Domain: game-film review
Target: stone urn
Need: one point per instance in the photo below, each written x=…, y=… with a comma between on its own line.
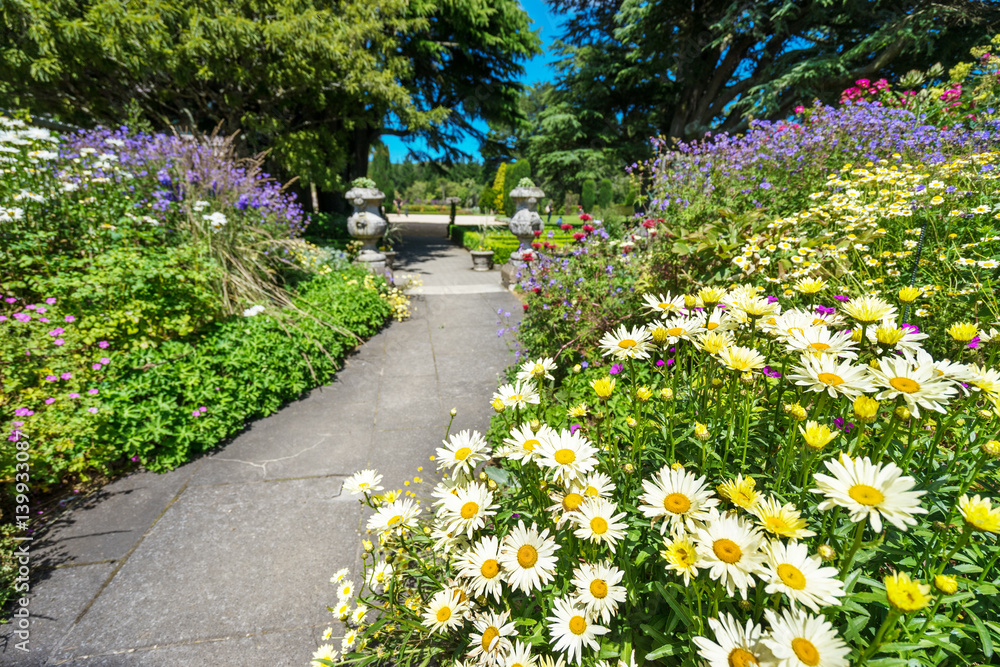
x=367, y=225
x=482, y=260
x=523, y=224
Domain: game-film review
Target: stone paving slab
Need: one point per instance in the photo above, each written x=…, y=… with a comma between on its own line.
x=227, y=559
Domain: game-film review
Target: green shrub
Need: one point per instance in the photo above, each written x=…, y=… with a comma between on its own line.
x=605, y=193
x=588, y=195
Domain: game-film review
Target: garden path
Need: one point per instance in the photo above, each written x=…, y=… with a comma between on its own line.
x=227, y=559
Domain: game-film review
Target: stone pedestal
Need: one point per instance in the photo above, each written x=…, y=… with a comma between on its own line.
x=523, y=224
x=368, y=226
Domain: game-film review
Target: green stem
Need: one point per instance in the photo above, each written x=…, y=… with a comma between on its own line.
x=889, y=621
x=849, y=557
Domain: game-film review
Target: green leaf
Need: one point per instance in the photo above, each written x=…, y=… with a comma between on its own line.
x=984, y=634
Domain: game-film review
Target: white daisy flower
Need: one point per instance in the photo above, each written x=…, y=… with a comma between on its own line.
x=445, y=611
x=520, y=656
x=781, y=520
x=734, y=645
x=596, y=485
x=359, y=613
x=349, y=640
x=799, y=639
x=364, y=481
x=342, y=611
x=570, y=629
x=345, y=590
x=663, y=304
x=730, y=548
x=539, y=369
x=596, y=521
x=568, y=455
x=792, y=571
x=325, y=652
x=820, y=340
x=869, y=309
x=380, y=575
x=681, y=556
x=340, y=575
x=597, y=589
x=625, y=343
x=466, y=511
x=528, y=558
x=678, y=328
x=678, y=497
x=462, y=452
x=565, y=506
x=741, y=359
x=481, y=565
x=919, y=386
x=522, y=445
x=400, y=514
x=517, y=395
x=826, y=373
x=491, y=638
x=871, y=491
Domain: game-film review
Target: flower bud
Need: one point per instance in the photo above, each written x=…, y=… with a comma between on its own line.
x=856, y=335
x=427, y=530
x=690, y=301
x=940, y=527
x=992, y=448
x=745, y=606
x=367, y=544
x=498, y=405
x=946, y=584
x=629, y=468
x=676, y=465
x=492, y=485
x=453, y=412
x=902, y=413
x=660, y=335
x=716, y=383
x=630, y=420
x=534, y=425
x=577, y=369
x=909, y=294
x=701, y=431
x=603, y=387
x=817, y=436
x=746, y=378
x=865, y=409
x=826, y=552
x=643, y=393
x=985, y=415
x=796, y=411
x=667, y=394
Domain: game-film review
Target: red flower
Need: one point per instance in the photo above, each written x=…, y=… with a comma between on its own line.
x=585, y=217
x=588, y=228
x=565, y=226
x=536, y=245
x=579, y=236
x=525, y=307
x=537, y=233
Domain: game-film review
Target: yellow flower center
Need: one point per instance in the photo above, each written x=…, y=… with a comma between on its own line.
x=627, y=344
x=538, y=370
x=565, y=456
x=516, y=398
x=394, y=520
x=819, y=347
x=818, y=321
x=572, y=501
x=444, y=613
x=830, y=379
x=905, y=385
x=727, y=551
x=666, y=305
x=776, y=524
x=592, y=492
x=712, y=326
x=794, y=329
x=792, y=576
x=489, y=634
x=469, y=510
x=598, y=526
x=739, y=657
x=599, y=589
x=805, y=651
x=530, y=445
x=675, y=331
x=677, y=503
x=527, y=556
x=865, y=495
x=577, y=625
x=463, y=453
x=489, y=569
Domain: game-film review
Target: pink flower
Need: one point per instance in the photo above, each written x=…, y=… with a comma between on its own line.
x=55, y=332
x=195, y=413
x=51, y=300
x=30, y=306
x=105, y=361
x=92, y=392
x=58, y=341
x=66, y=376
x=74, y=395
x=41, y=309
x=10, y=300
x=92, y=411
x=49, y=401
x=44, y=320
x=51, y=378
x=70, y=318
x=103, y=344
x=799, y=109
x=862, y=83
x=96, y=367
x=203, y=409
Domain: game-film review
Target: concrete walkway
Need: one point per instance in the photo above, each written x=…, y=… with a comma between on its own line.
x=227, y=560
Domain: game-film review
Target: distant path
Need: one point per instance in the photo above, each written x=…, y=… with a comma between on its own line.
x=227, y=560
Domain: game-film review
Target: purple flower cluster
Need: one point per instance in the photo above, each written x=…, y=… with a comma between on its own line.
x=187, y=170
x=736, y=166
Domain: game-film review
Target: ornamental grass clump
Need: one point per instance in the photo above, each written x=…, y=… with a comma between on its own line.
x=756, y=486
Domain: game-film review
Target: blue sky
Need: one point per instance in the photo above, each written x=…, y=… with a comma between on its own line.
x=536, y=70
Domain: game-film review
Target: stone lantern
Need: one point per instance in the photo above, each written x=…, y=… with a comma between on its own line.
x=367, y=225
x=523, y=224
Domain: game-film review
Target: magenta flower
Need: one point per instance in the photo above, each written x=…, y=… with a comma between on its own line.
x=43, y=320
x=74, y=395
x=195, y=413
x=92, y=392
x=96, y=367
x=55, y=333
x=203, y=409
x=51, y=300
x=58, y=341
x=49, y=401
x=103, y=344
x=10, y=300
x=3, y=318
x=51, y=378
x=23, y=412
x=41, y=309
x=30, y=306
x=66, y=376
x=105, y=361
x=70, y=318
x=92, y=411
